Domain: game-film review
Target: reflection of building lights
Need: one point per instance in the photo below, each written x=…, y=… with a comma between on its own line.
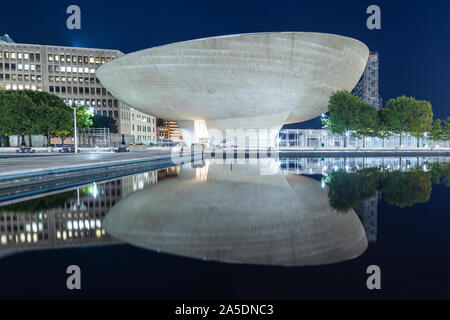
x=323, y=184
x=94, y=190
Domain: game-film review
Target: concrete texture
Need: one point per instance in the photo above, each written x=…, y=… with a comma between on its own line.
x=239, y=213
x=286, y=77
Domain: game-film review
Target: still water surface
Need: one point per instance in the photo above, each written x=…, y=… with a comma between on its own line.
x=238, y=228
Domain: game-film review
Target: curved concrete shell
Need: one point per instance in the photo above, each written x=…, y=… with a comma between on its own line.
x=241, y=81
x=232, y=213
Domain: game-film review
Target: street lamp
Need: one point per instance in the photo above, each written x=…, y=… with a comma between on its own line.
x=75, y=107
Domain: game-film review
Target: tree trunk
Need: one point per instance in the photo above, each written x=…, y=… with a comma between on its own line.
x=62, y=138
x=48, y=137
x=418, y=142
x=30, y=140
x=382, y=143
x=364, y=142
x=345, y=141
x=400, y=140
x=18, y=140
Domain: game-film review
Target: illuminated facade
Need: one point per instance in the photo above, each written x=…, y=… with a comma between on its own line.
x=69, y=73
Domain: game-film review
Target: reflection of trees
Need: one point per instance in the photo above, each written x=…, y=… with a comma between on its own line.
x=45, y=203
x=348, y=190
x=405, y=189
x=402, y=189
x=39, y=204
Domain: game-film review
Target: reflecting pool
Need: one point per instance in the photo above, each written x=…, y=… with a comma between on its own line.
x=238, y=228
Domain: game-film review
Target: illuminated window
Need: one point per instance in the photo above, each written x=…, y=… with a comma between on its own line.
x=19, y=55
x=13, y=55
x=56, y=57
x=50, y=57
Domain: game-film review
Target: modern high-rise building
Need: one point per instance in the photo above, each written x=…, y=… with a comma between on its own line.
x=70, y=73
x=367, y=87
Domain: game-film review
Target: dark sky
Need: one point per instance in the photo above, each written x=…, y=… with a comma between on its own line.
x=414, y=42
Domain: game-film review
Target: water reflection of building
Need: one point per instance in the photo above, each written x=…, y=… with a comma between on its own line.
x=68, y=219
x=327, y=165
x=169, y=173
x=368, y=213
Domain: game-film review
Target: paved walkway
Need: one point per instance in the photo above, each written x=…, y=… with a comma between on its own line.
x=31, y=163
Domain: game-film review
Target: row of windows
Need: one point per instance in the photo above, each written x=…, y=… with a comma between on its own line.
x=20, y=55
x=144, y=128
x=79, y=90
x=92, y=102
x=78, y=59
x=20, y=67
x=9, y=86
x=58, y=69
x=21, y=77
x=73, y=79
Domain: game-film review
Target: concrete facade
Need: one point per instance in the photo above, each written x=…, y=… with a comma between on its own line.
x=258, y=81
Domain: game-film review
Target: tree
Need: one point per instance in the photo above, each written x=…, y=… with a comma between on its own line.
x=54, y=116
x=17, y=114
x=421, y=119
x=84, y=119
x=100, y=121
x=367, y=121
x=344, y=110
x=407, y=115
x=436, y=132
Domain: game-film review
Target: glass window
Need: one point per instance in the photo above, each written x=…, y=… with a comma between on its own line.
x=50, y=57
x=13, y=55
x=26, y=56
x=56, y=57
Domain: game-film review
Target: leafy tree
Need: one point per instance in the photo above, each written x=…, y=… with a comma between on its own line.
x=100, y=121
x=446, y=129
x=84, y=119
x=367, y=121
x=436, y=132
x=344, y=112
x=17, y=114
x=407, y=115
x=54, y=116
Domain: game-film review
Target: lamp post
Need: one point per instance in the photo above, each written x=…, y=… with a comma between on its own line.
x=74, y=107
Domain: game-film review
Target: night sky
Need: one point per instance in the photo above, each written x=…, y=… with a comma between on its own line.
x=414, y=42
